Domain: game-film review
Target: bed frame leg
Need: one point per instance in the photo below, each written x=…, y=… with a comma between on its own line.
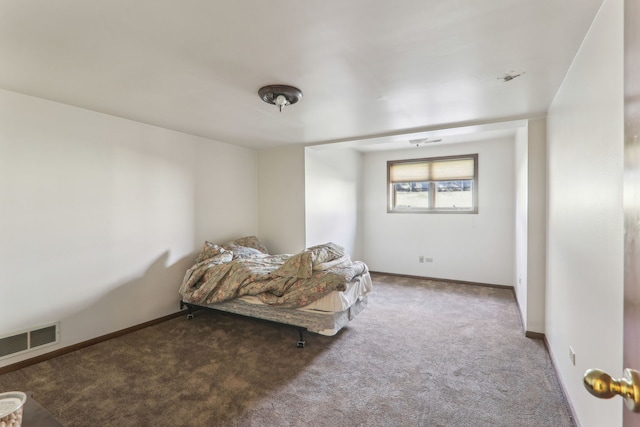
x=301, y=341
x=189, y=310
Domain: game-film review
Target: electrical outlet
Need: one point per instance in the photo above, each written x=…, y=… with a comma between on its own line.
x=572, y=356
x=428, y=260
x=421, y=258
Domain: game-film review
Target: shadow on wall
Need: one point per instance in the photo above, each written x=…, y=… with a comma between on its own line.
x=148, y=297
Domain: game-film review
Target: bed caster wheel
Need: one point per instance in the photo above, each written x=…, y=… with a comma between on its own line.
x=189, y=316
x=301, y=341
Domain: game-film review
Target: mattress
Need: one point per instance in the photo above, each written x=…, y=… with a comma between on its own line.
x=326, y=316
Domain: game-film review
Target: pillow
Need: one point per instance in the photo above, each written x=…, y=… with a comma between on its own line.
x=241, y=251
x=223, y=258
x=209, y=251
x=325, y=252
x=250, y=242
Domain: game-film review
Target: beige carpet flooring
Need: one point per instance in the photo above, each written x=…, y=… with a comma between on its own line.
x=423, y=353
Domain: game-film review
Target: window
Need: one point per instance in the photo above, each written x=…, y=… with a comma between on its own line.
x=433, y=185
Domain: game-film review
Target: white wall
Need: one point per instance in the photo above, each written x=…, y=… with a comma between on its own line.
x=536, y=224
x=98, y=216
x=522, y=219
x=281, y=199
x=584, y=301
x=333, y=193
x=531, y=203
x=226, y=192
x=468, y=247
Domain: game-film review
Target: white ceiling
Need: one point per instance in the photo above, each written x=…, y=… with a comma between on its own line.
x=367, y=68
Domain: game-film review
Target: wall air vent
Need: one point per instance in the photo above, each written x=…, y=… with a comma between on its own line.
x=19, y=342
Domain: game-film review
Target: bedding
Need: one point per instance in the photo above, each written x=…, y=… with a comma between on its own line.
x=283, y=280
x=319, y=289
x=333, y=301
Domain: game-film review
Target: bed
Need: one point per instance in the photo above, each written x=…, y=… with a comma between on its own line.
x=319, y=290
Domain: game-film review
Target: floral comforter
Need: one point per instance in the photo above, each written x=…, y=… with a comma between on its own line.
x=286, y=280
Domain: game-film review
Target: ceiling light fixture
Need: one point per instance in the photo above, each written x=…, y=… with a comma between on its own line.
x=419, y=142
x=280, y=95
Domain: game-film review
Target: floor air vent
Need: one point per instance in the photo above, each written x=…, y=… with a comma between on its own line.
x=28, y=340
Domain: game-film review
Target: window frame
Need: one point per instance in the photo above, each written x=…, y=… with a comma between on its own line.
x=433, y=187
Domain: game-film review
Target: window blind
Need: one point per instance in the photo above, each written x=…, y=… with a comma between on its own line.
x=436, y=170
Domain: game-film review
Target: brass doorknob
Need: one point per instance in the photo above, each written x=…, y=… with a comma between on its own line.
x=602, y=385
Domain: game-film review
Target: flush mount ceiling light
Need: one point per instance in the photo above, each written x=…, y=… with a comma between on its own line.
x=419, y=142
x=280, y=95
